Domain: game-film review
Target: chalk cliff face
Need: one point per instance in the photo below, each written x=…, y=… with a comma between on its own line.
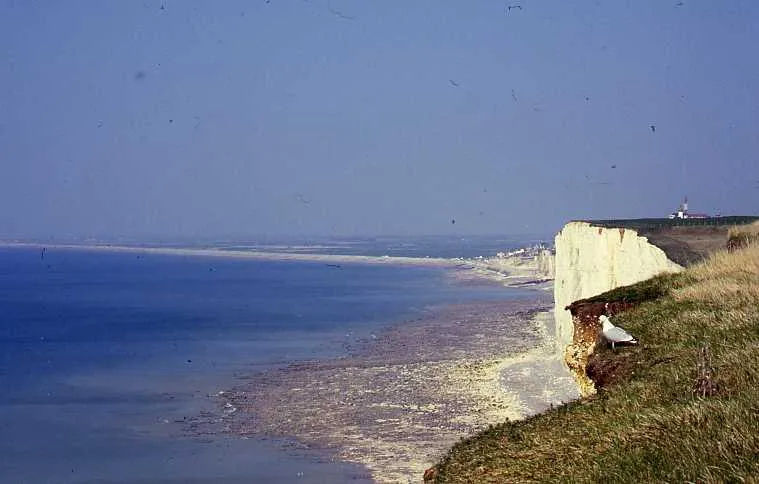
x=546, y=264
x=591, y=260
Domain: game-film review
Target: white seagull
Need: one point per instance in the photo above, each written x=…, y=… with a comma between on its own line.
x=615, y=334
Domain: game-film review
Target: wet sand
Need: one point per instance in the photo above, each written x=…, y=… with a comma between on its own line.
x=398, y=403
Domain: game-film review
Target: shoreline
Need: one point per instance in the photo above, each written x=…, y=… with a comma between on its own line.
x=399, y=404
x=510, y=271
x=244, y=254
x=397, y=407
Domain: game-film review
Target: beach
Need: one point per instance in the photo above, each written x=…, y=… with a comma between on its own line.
x=396, y=405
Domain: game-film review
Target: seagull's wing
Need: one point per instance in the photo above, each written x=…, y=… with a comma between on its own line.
x=618, y=335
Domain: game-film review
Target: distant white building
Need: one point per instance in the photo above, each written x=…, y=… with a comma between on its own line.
x=682, y=212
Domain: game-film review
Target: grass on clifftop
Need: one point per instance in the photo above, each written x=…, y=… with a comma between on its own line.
x=685, y=406
x=743, y=234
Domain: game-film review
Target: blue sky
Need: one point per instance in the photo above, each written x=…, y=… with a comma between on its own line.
x=169, y=118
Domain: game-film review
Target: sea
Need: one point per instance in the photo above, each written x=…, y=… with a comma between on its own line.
x=105, y=356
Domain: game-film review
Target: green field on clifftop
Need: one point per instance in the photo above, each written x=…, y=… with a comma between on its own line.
x=681, y=406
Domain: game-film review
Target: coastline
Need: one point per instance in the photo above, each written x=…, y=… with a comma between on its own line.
x=511, y=271
x=686, y=388
x=400, y=404
x=245, y=254
x=422, y=385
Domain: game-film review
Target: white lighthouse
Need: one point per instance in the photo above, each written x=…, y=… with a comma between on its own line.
x=682, y=210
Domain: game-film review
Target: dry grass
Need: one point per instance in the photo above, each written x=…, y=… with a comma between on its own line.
x=724, y=264
x=743, y=235
x=748, y=229
x=663, y=423
x=724, y=279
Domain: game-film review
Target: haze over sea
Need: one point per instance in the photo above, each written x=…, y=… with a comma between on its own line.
x=107, y=359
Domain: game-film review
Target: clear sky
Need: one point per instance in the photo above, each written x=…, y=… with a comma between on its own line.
x=180, y=118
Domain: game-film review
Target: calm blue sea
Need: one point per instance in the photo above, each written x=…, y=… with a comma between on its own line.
x=104, y=356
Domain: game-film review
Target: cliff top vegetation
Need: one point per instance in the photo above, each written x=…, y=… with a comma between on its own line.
x=646, y=224
x=742, y=235
x=681, y=406
x=684, y=241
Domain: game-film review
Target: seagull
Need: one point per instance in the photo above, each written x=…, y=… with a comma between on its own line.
x=615, y=334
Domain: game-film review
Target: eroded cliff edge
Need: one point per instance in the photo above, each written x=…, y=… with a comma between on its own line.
x=591, y=260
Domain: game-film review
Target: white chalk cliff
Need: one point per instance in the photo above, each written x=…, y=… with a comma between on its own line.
x=592, y=260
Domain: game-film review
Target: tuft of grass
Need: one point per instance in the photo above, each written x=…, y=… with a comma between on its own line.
x=679, y=413
x=742, y=235
x=747, y=229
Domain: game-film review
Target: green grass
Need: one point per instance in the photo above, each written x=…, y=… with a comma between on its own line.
x=647, y=290
x=650, y=425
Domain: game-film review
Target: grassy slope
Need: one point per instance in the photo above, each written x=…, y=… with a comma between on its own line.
x=650, y=425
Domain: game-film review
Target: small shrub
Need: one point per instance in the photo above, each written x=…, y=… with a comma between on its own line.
x=705, y=385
